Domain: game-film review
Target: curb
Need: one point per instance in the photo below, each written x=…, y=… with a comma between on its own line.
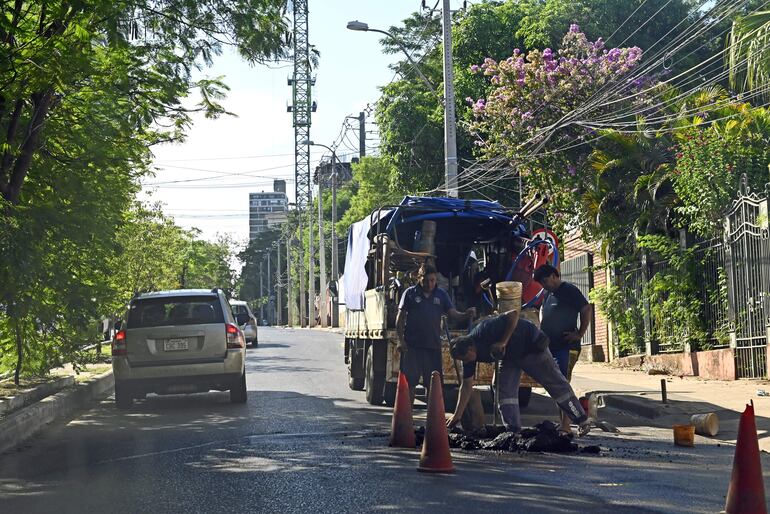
x=21, y=400
x=22, y=424
x=630, y=404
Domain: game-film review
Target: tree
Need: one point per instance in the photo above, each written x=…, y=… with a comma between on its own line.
x=410, y=116
x=748, y=58
x=86, y=88
x=373, y=179
x=145, y=49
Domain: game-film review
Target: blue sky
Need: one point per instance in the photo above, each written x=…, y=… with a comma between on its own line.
x=260, y=141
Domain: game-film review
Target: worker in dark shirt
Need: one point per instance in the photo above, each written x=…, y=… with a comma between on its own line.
x=520, y=345
x=562, y=306
x=418, y=325
x=481, y=297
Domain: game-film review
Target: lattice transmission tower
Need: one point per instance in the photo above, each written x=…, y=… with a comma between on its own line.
x=301, y=109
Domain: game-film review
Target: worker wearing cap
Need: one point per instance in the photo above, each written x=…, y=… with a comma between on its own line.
x=519, y=345
x=418, y=325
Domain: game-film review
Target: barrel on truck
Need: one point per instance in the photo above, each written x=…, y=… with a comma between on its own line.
x=385, y=250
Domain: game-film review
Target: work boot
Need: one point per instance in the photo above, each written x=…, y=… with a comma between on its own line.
x=584, y=428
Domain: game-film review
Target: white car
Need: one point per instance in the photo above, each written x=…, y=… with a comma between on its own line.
x=246, y=320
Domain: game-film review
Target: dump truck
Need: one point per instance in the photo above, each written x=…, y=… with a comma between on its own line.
x=385, y=250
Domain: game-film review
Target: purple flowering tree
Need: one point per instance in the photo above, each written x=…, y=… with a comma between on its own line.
x=532, y=114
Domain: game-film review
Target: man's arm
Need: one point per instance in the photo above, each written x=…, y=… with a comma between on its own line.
x=585, y=321
x=400, y=329
x=466, y=315
x=466, y=389
x=512, y=319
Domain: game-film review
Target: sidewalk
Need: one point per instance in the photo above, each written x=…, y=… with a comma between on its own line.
x=638, y=394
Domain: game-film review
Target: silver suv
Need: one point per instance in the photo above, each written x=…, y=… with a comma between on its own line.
x=182, y=341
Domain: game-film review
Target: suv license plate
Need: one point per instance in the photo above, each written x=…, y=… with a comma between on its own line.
x=174, y=345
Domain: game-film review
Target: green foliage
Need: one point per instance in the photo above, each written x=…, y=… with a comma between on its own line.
x=711, y=160
x=87, y=89
x=673, y=294
x=626, y=317
x=373, y=180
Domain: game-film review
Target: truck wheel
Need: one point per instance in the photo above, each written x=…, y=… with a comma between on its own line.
x=375, y=376
x=123, y=398
x=356, y=377
x=390, y=393
x=525, y=393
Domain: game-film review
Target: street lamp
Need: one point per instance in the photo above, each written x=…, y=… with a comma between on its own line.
x=450, y=119
x=321, y=244
x=363, y=27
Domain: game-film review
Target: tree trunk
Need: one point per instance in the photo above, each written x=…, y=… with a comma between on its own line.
x=19, y=352
x=41, y=103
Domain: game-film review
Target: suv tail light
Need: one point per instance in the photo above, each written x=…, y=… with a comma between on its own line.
x=235, y=337
x=119, y=343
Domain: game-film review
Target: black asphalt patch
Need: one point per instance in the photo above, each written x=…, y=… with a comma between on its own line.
x=543, y=437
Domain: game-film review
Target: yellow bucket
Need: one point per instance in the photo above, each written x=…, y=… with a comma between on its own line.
x=684, y=435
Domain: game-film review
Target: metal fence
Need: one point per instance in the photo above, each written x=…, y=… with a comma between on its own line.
x=732, y=273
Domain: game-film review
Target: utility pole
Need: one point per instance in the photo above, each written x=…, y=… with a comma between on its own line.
x=450, y=121
x=261, y=295
x=361, y=136
x=321, y=250
x=289, y=292
x=278, y=303
x=269, y=287
x=335, y=249
x=310, y=264
x=301, y=108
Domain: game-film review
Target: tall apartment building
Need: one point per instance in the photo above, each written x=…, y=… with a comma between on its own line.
x=267, y=210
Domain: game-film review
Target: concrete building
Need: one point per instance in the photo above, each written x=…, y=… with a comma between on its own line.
x=267, y=210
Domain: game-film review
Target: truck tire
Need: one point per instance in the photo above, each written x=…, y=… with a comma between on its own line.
x=123, y=398
x=356, y=376
x=525, y=393
x=375, y=374
x=390, y=393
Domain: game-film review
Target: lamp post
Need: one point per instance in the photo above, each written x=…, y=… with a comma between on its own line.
x=450, y=120
x=335, y=271
x=321, y=243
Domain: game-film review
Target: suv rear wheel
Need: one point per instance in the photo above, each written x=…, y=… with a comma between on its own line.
x=123, y=399
x=238, y=392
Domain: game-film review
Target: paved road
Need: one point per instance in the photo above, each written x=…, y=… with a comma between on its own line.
x=305, y=443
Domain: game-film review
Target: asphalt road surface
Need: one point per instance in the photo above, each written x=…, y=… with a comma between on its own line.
x=304, y=442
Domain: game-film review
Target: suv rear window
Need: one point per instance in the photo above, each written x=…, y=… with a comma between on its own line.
x=186, y=310
x=239, y=309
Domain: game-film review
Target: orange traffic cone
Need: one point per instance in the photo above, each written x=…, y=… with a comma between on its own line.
x=435, y=455
x=402, y=428
x=746, y=493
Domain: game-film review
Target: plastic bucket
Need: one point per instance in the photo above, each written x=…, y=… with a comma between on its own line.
x=705, y=424
x=508, y=296
x=684, y=435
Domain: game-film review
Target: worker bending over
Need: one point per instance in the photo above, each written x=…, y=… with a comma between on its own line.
x=520, y=345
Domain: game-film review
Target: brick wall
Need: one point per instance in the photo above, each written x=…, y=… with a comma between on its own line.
x=575, y=246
